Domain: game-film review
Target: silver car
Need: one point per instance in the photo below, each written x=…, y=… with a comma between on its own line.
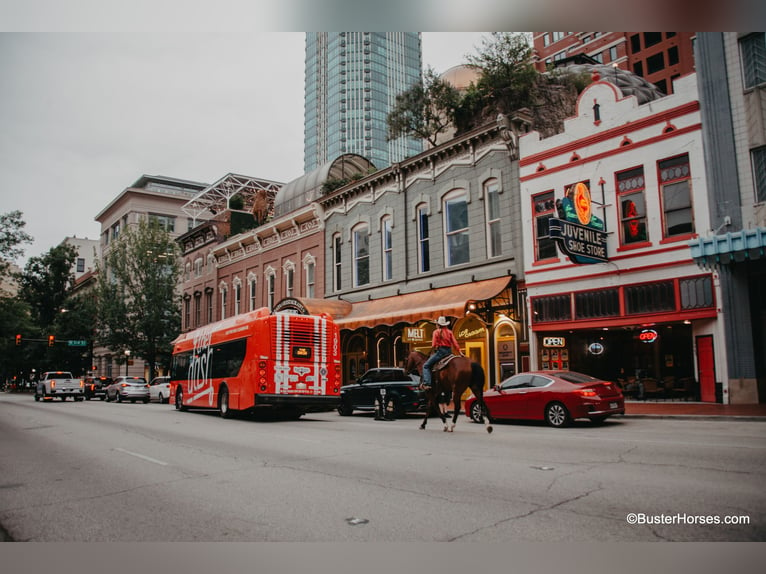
x=159, y=389
x=128, y=389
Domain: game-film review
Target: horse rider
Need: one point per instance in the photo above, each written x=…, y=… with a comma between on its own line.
x=443, y=342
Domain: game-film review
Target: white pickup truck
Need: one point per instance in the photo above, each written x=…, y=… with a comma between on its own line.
x=59, y=384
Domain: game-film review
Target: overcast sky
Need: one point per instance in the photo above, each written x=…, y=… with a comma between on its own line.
x=84, y=115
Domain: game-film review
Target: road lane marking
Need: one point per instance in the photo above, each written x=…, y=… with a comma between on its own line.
x=142, y=456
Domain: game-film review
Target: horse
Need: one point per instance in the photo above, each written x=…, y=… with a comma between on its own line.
x=459, y=374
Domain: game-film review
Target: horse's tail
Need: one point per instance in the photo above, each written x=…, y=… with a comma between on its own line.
x=477, y=379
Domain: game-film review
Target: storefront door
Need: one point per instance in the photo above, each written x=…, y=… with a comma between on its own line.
x=706, y=368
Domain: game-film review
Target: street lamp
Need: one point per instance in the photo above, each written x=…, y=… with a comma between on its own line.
x=127, y=358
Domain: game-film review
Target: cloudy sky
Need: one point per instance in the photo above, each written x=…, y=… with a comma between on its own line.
x=84, y=115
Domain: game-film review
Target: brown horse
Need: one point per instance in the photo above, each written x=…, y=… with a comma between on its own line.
x=459, y=374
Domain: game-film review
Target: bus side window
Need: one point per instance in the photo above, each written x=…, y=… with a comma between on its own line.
x=228, y=358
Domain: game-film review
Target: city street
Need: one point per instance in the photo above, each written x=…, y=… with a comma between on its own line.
x=95, y=471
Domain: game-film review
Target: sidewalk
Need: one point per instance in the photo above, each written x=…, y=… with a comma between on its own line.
x=683, y=409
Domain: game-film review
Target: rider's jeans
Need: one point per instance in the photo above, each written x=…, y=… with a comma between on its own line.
x=439, y=354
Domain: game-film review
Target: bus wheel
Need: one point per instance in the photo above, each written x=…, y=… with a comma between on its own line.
x=180, y=400
x=223, y=403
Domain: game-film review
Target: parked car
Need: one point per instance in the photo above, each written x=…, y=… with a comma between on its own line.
x=95, y=387
x=557, y=397
x=159, y=389
x=399, y=386
x=128, y=389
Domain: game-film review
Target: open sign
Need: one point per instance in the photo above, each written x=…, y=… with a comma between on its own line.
x=648, y=336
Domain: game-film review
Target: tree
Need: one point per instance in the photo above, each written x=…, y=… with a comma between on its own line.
x=138, y=307
x=425, y=110
x=506, y=83
x=46, y=282
x=12, y=235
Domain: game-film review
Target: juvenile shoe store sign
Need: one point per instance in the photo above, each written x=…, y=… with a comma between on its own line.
x=580, y=235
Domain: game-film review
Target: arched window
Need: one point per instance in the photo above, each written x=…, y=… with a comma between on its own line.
x=288, y=269
x=309, y=271
x=492, y=207
x=424, y=256
x=252, y=283
x=456, y=232
x=386, y=236
x=271, y=287
x=361, y=250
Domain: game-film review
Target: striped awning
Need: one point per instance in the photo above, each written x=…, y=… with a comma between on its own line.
x=422, y=305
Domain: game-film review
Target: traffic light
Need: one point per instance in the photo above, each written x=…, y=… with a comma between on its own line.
x=51, y=340
x=18, y=340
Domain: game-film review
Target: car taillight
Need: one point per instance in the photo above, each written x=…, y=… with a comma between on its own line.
x=53, y=384
x=147, y=386
x=82, y=383
x=123, y=385
x=587, y=393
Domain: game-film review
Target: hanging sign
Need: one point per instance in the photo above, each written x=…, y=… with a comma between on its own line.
x=579, y=234
x=648, y=336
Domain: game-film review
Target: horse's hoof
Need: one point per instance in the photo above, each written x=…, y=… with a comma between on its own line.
x=489, y=430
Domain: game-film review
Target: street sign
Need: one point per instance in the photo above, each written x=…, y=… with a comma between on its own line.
x=75, y=343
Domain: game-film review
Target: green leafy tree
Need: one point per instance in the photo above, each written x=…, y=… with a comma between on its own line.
x=138, y=307
x=12, y=235
x=425, y=110
x=506, y=83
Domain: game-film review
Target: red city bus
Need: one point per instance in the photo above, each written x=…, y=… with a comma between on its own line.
x=282, y=361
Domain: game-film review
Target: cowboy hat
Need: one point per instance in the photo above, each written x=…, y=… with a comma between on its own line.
x=442, y=321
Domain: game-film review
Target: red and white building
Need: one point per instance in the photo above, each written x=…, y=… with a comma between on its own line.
x=647, y=311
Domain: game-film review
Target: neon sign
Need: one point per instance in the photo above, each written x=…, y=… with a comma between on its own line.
x=648, y=336
x=579, y=234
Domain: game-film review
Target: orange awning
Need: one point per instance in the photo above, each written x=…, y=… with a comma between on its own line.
x=414, y=307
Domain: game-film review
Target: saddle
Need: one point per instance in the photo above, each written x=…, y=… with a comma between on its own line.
x=442, y=363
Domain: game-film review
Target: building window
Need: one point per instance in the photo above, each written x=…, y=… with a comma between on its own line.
x=197, y=309
x=672, y=55
x=613, y=54
x=675, y=187
x=80, y=265
x=336, y=261
x=758, y=159
x=753, y=50
x=187, y=311
x=271, y=287
x=361, y=250
x=309, y=271
x=635, y=43
x=237, y=297
x=388, y=249
x=696, y=292
x=198, y=267
x=596, y=304
x=652, y=38
x=289, y=280
x=492, y=206
x=543, y=205
x=457, y=234
x=650, y=298
x=424, y=258
x=251, y=288
x=632, y=205
x=552, y=308
x=164, y=222
x=209, y=305
x=224, y=300
x=655, y=63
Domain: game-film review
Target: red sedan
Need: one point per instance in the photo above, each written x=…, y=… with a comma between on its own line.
x=557, y=397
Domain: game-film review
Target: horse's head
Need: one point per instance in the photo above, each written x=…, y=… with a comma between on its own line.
x=415, y=362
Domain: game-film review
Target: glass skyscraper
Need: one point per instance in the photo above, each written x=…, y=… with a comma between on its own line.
x=352, y=80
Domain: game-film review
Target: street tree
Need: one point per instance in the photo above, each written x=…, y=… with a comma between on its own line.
x=425, y=110
x=138, y=304
x=12, y=235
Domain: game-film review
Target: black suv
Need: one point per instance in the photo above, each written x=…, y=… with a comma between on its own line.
x=399, y=387
x=95, y=387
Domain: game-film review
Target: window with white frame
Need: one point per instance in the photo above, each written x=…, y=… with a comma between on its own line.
x=456, y=231
x=424, y=256
x=758, y=159
x=676, y=196
x=309, y=270
x=361, y=250
x=289, y=271
x=271, y=288
x=237, y=296
x=386, y=232
x=492, y=207
x=336, y=262
x=198, y=267
x=224, y=300
x=209, y=305
x=251, y=287
x=197, y=309
x=753, y=51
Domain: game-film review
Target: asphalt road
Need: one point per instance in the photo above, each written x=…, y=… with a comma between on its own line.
x=94, y=471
